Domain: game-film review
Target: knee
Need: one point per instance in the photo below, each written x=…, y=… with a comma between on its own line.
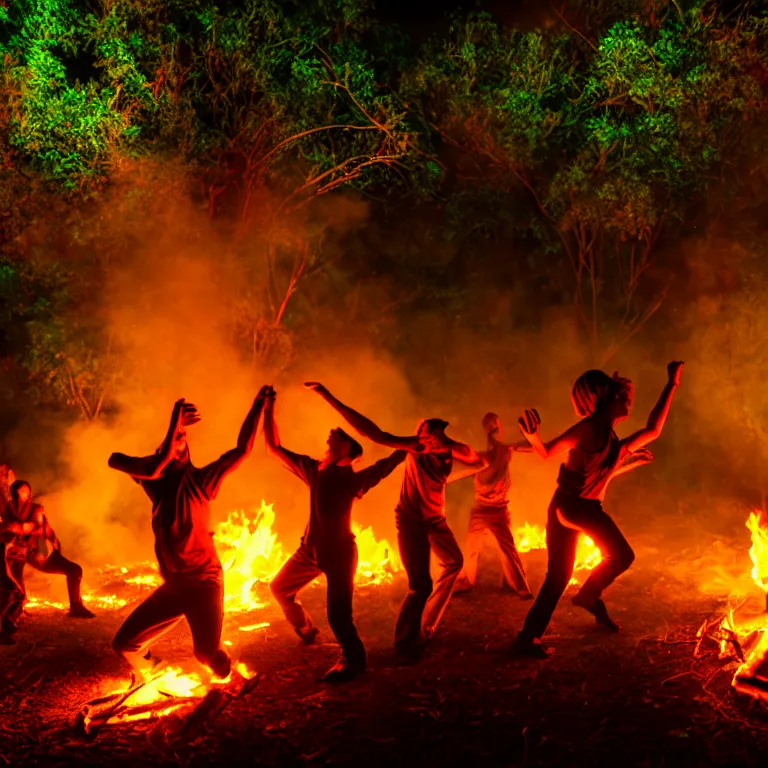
x=626, y=558
x=76, y=572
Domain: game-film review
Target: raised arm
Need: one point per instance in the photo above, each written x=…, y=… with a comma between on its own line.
x=151, y=467
x=297, y=463
x=247, y=435
x=529, y=425
x=365, y=426
x=659, y=413
x=212, y=475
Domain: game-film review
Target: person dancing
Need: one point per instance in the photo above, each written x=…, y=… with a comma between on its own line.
x=193, y=583
x=328, y=545
x=490, y=513
x=422, y=528
x=595, y=456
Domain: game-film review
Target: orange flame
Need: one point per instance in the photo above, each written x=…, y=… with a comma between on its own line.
x=743, y=632
x=529, y=537
x=758, y=527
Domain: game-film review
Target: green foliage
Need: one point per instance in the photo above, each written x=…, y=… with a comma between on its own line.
x=578, y=145
x=611, y=138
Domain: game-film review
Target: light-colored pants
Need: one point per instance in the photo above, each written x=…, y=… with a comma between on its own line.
x=424, y=605
x=497, y=522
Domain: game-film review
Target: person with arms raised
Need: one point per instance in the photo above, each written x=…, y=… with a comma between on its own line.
x=420, y=517
x=328, y=546
x=193, y=584
x=595, y=456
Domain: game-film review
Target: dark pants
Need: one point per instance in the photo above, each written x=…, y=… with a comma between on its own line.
x=58, y=564
x=12, y=594
x=497, y=522
x=339, y=564
x=424, y=606
x=201, y=602
x=581, y=515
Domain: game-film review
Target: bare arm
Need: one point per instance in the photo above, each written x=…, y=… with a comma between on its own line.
x=467, y=470
x=151, y=467
x=365, y=426
x=659, y=413
x=529, y=425
x=297, y=463
x=462, y=452
x=247, y=434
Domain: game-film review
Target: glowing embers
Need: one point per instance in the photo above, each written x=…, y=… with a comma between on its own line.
x=529, y=537
x=742, y=633
x=167, y=690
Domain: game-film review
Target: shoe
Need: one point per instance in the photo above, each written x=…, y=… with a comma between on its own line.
x=6, y=639
x=79, y=611
x=600, y=612
x=308, y=636
x=342, y=672
x=221, y=664
x=522, y=646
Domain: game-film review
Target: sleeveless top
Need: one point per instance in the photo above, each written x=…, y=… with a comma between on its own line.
x=590, y=479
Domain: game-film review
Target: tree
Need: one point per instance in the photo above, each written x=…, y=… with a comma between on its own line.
x=611, y=139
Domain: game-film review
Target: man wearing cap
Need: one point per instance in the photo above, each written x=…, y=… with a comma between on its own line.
x=490, y=513
x=328, y=545
x=420, y=517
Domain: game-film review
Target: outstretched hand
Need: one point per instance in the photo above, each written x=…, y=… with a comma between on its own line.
x=266, y=393
x=185, y=414
x=316, y=386
x=674, y=371
x=529, y=422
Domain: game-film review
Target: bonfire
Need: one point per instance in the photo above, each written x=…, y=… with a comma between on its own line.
x=742, y=633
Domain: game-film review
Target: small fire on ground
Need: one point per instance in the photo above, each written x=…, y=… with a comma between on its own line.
x=742, y=632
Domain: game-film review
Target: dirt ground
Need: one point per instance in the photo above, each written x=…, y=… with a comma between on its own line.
x=633, y=699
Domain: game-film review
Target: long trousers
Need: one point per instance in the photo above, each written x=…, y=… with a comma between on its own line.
x=56, y=563
x=497, y=522
x=12, y=594
x=424, y=605
x=12, y=597
x=199, y=601
x=339, y=564
x=567, y=517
